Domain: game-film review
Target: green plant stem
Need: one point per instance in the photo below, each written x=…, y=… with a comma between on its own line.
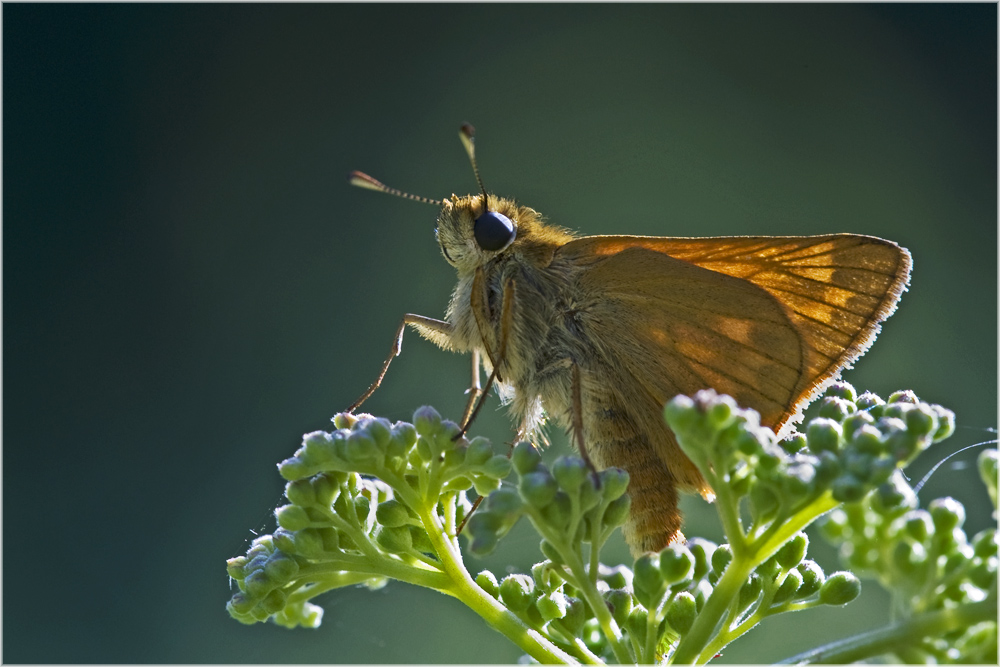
x=899, y=636
x=589, y=591
x=716, y=607
x=462, y=587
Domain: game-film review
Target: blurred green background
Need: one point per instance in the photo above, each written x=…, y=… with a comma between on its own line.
x=190, y=284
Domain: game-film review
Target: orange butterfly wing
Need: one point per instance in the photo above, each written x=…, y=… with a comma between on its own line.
x=768, y=320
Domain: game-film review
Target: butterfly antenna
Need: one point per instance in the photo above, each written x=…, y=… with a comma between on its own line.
x=363, y=180
x=467, y=134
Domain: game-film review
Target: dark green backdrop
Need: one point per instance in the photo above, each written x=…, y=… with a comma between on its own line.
x=190, y=284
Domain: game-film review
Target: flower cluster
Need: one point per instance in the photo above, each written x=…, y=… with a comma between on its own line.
x=929, y=563
x=368, y=501
x=373, y=501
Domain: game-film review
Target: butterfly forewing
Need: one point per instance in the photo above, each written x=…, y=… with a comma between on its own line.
x=817, y=307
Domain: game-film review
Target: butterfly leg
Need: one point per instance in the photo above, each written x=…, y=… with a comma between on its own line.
x=437, y=330
x=475, y=389
x=506, y=315
x=479, y=300
x=576, y=423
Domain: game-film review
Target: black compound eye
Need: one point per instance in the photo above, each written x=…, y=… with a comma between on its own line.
x=493, y=231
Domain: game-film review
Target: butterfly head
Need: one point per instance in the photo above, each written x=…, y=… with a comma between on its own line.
x=470, y=233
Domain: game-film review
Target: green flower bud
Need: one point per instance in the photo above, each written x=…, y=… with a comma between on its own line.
x=721, y=557
x=292, y=517
x=427, y=421
x=575, y=617
x=648, y=581
x=614, y=482
x=281, y=568
x=274, y=602
x=318, y=446
x=392, y=514
x=858, y=465
x=239, y=606
x=945, y=423
x=517, y=592
x=505, y=501
x=362, y=508
x=827, y=469
x=897, y=411
x=839, y=589
x=570, y=472
x=902, y=445
x=918, y=525
x=618, y=576
x=789, y=587
x=620, y=603
x=485, y=521
x=870, y=403
x=681, y=612
x=905, y=396
x=894, y=497
x=747, y=443
x=488, y=582
x=405, y=433
x=235, y=567
x=344, y=420
x=559, y=512
x=799, y=481
x=984, y=574
x=361, y=447
x=552, y=606
x=824, y=435
x=485, y=485
x=984, y=544
x=676, y=563
x=848, y=489
x=812, y=578
x=844, y=390
x=293, y=468
x=867, y=439
x=483, y=543
x=836, y=409
x=498, y=467
x=283, y=540
x=538, y=489
x=680, y=414
x=793, y=551
x=703, y=551
x=257, y=584
x=479, y=451
x=909, y=557
x=719, y=409
x=454, y=458
x=420, y=540
x=856, y=421
x=922, y=420
x=330, y=539
x=794, y=443
x=769, y=569
x=325, y=488
x=947, y=514
x=616, y=512
x=636, y=624
x=525, y=457
x=750, y=591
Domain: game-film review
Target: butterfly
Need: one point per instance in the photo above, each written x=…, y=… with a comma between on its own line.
x=599, y=332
